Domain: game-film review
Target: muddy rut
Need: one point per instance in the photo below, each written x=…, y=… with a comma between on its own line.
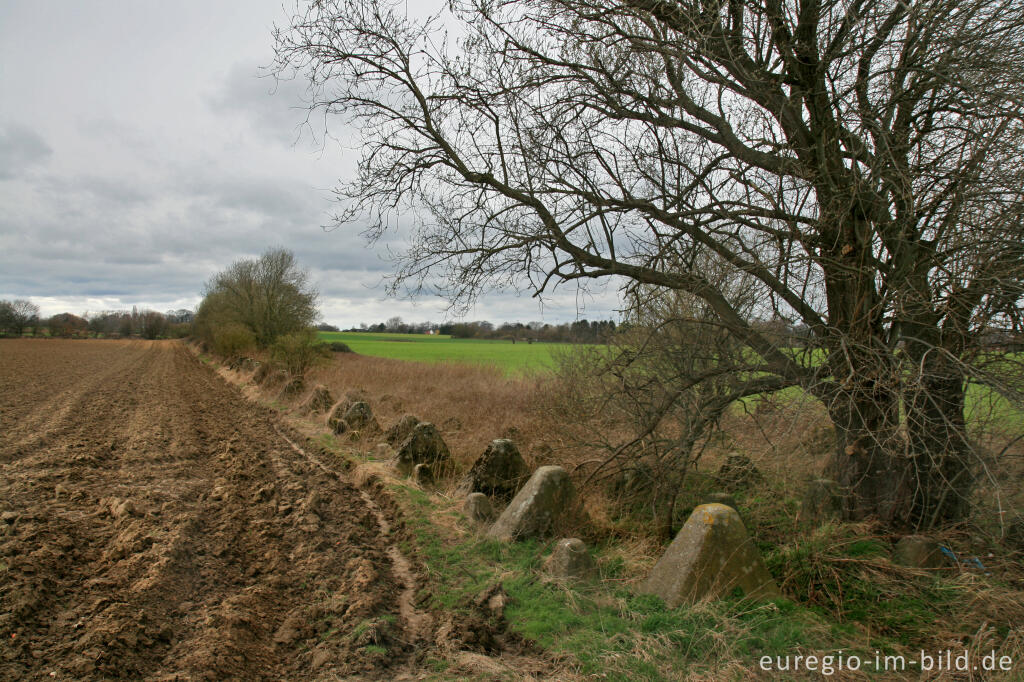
x=155, y=525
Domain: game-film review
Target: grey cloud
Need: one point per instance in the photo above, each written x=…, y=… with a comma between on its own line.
x=276, y=108
x=274, y=198
x=144, y=258
x=20, y=148
x=115, y=132
x=83, y=238
x=96, y=188
x=181, y=163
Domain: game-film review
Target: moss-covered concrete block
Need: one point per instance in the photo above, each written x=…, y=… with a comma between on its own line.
x=710, y=557
x=547, y=498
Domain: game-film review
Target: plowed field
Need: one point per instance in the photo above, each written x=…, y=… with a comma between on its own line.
x=156, y=525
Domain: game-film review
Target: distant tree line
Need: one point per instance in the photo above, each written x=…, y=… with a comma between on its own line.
x=146, y=324
x=17, y=317
x=20, y=318
x=580, y=331
x=784, y=333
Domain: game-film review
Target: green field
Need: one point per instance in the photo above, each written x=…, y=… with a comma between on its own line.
x=522, y=358
x=518, y=358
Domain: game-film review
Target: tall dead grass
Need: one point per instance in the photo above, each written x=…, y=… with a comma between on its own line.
x=471, y=405
x=788, y=438
x=545, y=416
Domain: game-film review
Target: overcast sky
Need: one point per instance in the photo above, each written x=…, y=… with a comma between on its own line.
x=140, y=153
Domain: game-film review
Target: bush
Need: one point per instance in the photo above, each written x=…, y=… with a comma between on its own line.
x=298, y=351
x=67, y=325
x=179, y=330
x=232, y=339
x=270, y=296
x=338, y=347
x=154, y=324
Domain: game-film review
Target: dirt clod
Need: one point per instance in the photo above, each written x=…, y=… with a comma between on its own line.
x=186, y=540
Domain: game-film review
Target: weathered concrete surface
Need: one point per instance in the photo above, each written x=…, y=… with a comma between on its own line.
x=397, y=434
x=382, y=451
x=354, y=417
x=822, y=501
x=711, y=556
x=633, y=480
x=547, y=498
x=336, y=417
x=319, y=401
x=423, y=476
x=359, y=417
x=500, y=472
x=424, y=446
x=570, y=560
x=478, y=508
x=738, y=473
x=293, y=386
x=919, y=551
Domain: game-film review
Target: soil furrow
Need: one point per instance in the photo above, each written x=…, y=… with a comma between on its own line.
x=157, y=526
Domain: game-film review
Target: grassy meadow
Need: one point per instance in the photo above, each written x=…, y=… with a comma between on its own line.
x=982, y=404
x=512, y=358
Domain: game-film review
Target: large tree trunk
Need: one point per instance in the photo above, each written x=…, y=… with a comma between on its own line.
x=937, y=440
x=902, y=455
x=866, y=463
x=863, y=396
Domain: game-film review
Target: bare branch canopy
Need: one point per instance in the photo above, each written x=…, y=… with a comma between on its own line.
x=858, y=161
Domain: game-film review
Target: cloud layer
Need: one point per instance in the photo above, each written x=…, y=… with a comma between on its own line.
x=141, y=151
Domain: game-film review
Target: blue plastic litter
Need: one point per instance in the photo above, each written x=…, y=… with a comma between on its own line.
x=974, y=561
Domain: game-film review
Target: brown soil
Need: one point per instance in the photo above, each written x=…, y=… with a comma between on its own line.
x=157, y=525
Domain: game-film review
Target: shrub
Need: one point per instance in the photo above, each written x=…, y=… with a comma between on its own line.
x=270, y=296
x=298, y=351
x=179, y=330
x=154, y=324
x=232, y=338
x=67, y=325
x=338, y=347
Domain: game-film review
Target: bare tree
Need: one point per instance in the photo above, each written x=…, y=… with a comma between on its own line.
x=153, y=324
x=6, y=316
x=859, y=160
x=653, y=397
x=110, y=323
x=18, y=315
x=67, y=325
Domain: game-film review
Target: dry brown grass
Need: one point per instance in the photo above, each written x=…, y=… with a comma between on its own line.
x=787, y=438
x=471, y=405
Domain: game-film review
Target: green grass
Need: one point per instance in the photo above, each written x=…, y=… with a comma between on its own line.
x=611, y=632
x=983, y=406
x=849, y=579
x=850, y=598
x=518, y=358
x=982, y=402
